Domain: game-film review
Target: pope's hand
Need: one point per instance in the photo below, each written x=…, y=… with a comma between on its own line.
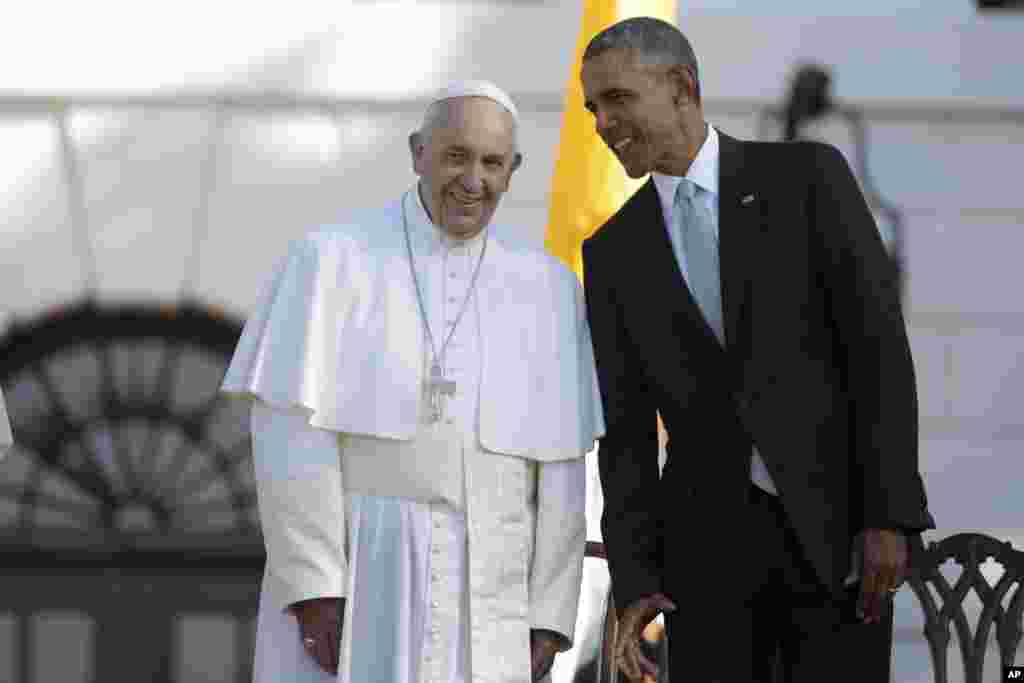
x=632, y=621
x=544, y=645
x=320, y=629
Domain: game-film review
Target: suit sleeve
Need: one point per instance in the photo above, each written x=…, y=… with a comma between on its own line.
x=628, y=452
x=556, y=574
x=863, y=287
x=301, y=506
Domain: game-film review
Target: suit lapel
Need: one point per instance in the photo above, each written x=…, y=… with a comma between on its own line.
x=663, y=281
x=738, y=224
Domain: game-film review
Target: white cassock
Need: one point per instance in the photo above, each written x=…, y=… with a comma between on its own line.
x=449, y=539
x=6, y=438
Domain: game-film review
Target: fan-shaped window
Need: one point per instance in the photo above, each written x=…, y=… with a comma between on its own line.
x=128, y=498
x=122, y=437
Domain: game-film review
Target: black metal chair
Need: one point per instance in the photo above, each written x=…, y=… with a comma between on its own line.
x=970, y=551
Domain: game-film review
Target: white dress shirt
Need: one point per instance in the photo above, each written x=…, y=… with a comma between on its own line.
x=703, y=173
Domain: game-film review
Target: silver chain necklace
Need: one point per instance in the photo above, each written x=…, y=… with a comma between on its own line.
x=438, y=383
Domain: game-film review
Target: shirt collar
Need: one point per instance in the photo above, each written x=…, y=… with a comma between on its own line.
x=703, y=172
x=424, y=234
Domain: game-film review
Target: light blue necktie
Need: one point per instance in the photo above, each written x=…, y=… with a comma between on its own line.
x=701, y=249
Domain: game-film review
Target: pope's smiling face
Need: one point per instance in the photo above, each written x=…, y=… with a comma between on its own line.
x=465, y=161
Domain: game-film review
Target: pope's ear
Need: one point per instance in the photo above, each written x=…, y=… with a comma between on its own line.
x=416, y=150
x=517, y=161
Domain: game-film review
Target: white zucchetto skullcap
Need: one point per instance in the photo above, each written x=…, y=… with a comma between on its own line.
x=478, y=89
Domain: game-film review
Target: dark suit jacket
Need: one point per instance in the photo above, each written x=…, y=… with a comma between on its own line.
x=816, y=371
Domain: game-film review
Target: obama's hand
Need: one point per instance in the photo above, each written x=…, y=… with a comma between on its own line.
x=884, y=567
x=632, y=621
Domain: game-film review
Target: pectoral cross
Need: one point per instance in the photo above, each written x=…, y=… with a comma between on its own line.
x=438, y=386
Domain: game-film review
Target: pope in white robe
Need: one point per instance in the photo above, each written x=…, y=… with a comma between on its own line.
x=423, y=396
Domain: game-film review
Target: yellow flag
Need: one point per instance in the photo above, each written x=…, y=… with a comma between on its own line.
x=589, y=184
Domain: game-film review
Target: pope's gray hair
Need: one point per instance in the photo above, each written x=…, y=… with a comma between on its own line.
x=658, y=43
x=438, y=115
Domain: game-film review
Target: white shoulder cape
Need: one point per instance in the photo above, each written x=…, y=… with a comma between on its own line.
x=337, y=333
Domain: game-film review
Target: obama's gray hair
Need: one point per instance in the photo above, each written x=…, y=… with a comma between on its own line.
x=658, y=43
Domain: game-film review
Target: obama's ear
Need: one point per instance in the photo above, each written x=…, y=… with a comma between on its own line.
x=685, y=83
